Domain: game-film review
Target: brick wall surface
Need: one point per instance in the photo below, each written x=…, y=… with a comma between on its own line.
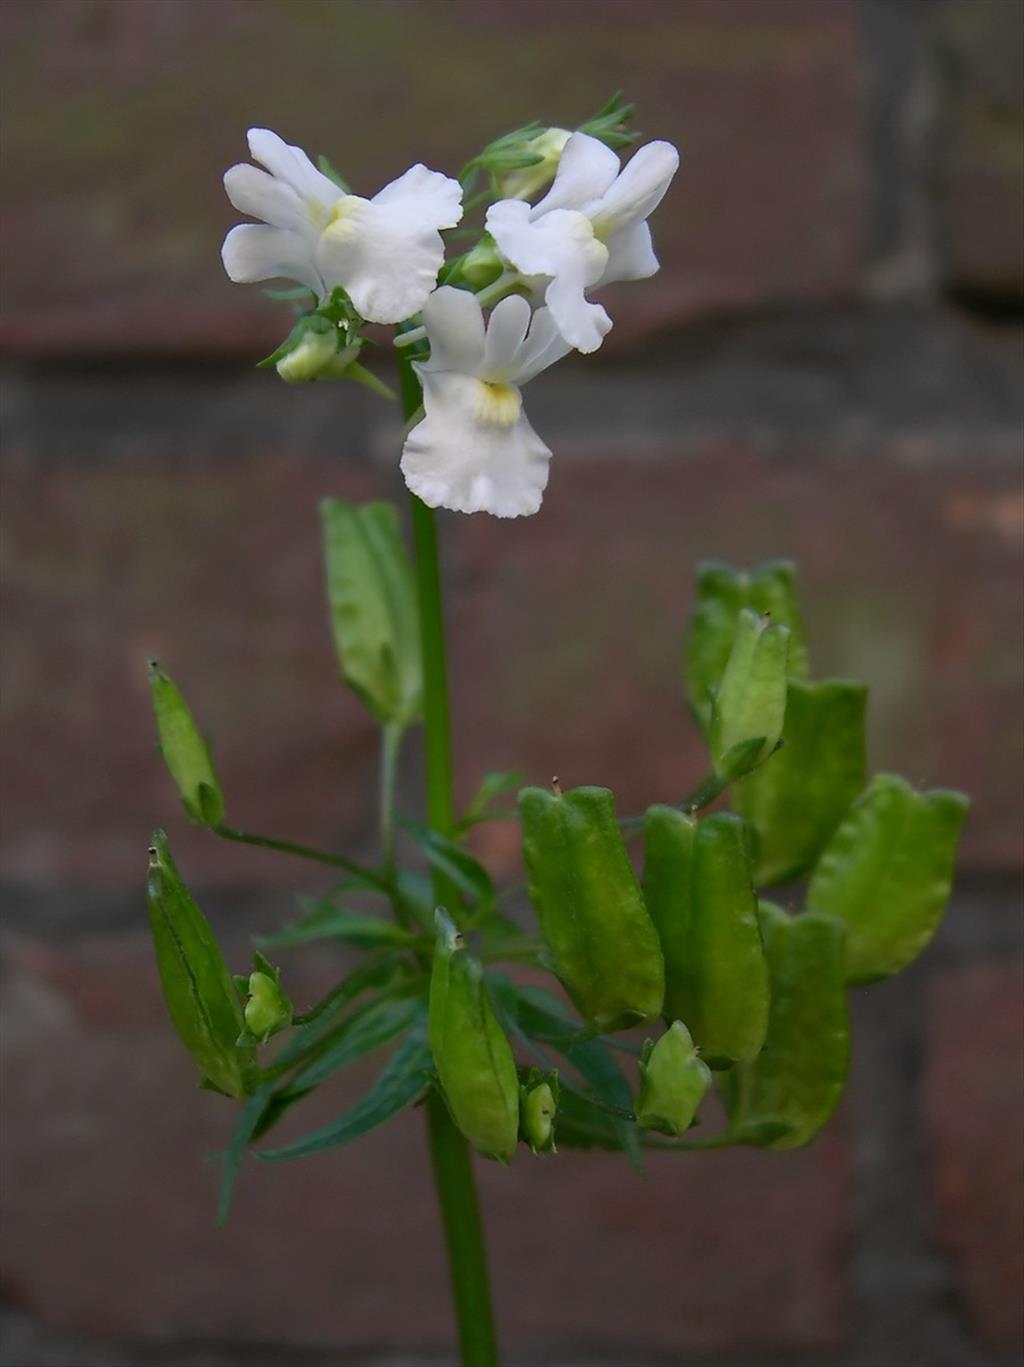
x=829, y=367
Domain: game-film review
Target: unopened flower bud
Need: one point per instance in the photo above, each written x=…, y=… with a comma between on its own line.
x=482, y=265
x=538, y=1103
x=527, y=180
x=268, y=1009
x=673, y=1082
x=312, y=357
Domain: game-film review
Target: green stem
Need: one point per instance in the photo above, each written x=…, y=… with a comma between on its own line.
x=467, y=1257
x=337, y=861
x=390, y=744
x=454, y=1179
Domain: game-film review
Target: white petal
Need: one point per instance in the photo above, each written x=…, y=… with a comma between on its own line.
x=292, y=166
x=544, y=346
x=639, y=190
x=429, y=198
x=455, y=325
x=557, y=240
x=386, y=261
x=253, y=251
x=582, y=324
x=263, y=196
x=452, y=460
x=506, y=330
x=630, y=255
x=585, y=171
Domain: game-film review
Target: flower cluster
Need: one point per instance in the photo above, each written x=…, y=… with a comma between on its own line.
x=379, y=260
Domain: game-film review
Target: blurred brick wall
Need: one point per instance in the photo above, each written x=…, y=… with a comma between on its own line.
x=828, y=367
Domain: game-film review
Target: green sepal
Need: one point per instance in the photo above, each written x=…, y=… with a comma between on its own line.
x=722, y=593
x=472, y=1055
x=673, y=1081
x=697, y=883
x=197, y=986
x=185, y=751
x=372, y=596
x=751, y=698
x=538, y=1107
x=332, y=173
x=796, y=801
x=887, y=872
x=603, y=945
x=784, y=1097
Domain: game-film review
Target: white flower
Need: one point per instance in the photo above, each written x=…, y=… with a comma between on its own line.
x=385, y=251
x=475, y=451
x=589, y=229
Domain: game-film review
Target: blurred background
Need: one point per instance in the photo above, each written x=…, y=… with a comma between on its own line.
x=828, y=367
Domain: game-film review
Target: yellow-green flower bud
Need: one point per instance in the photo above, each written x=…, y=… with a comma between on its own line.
x=673, y=1081
x=268, y=1010
x=538, y=1104
x=482, y=265
x=527, y=180
x=311, y=358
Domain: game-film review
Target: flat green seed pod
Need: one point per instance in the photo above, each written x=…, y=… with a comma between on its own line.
x=673, y=1081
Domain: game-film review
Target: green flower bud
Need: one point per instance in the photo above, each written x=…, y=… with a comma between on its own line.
x=673, y=1081
x=185, y=752
x=525, y=181
x=268, y=1010
x=538, y=1104
x=750, y=706
x=482, y=265
x=314, y=355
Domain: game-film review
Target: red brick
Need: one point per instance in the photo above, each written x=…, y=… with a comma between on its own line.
x=111, y=153
x=974, y=1098
x=982, y=152
x=108, y=1226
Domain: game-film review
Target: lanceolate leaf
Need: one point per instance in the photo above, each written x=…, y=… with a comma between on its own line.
x=887, y=873
x=324, y=920
x=796, y=799
x=458, y=865
x=199, y=991
x=371, y=591
x=402, y=1082
x=377, y=1023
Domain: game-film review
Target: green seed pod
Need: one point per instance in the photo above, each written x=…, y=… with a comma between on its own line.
x=722, y=592
x=698, y=890
x=603, y=945
x=673, y=1081
x=538, y=1105
x=313, y=353
x=794, y=803
x=471, y=1053
x=268, y=1010
x=482, y=265
x=750, y=703
x=185, y=752
x=887, y=872
x=198, y=989
x=791, y=1089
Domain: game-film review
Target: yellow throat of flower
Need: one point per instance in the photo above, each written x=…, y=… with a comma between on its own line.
x=344, y=217
x=498, y=405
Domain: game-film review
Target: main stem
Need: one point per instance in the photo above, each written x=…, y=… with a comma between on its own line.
x=452, y=1162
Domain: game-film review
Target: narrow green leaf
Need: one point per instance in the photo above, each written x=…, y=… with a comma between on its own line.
x=887, y=873
x=246, y=1127
x=458, y=865
x=377, y=1023
x=795, y=800
x=403, y=1081
x=492, y=785
x=784, y=1097
x=372, y=596
x=198, y=988
x=185, y=752
x=326, y=921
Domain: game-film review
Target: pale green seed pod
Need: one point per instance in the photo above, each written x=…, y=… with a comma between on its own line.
x=312, y=357
x=673, y=1081
x=472, y=1055
x=268, y=1010
x=750, y=705
x=185, y=751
